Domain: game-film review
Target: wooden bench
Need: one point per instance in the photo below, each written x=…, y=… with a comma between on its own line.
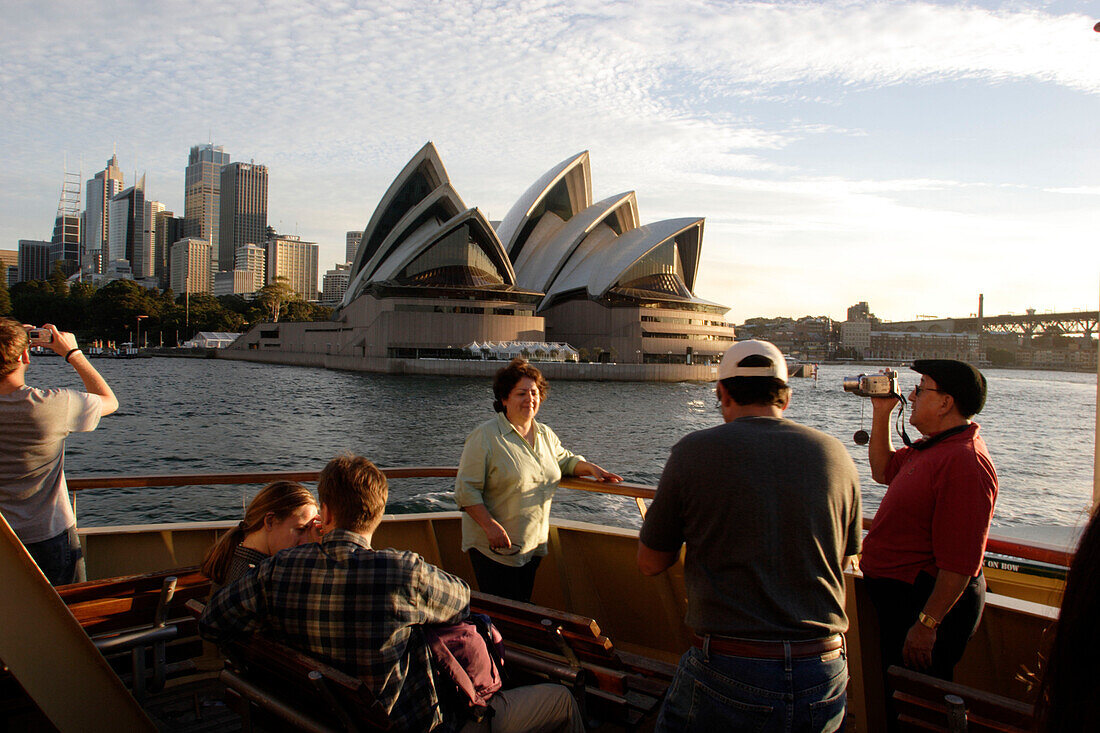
x=272, y=686
x=131, y=615
x=546, y=644
x=925, y=703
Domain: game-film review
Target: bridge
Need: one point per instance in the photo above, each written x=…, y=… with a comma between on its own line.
x=1071, y=323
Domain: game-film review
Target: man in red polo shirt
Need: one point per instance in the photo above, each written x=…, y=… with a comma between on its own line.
x=922, y=558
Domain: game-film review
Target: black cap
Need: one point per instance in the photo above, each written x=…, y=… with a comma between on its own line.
x=958, y=379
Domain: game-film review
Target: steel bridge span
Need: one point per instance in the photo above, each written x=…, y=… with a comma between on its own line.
x=1072, y=323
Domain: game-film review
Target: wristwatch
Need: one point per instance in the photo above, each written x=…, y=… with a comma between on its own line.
x=927, y=620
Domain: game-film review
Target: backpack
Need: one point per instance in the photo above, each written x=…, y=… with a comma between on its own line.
x=468, y=657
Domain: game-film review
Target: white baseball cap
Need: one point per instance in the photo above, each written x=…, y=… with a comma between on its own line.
x=734, y=354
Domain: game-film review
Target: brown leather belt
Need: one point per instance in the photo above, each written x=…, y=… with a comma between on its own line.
x=730, y=647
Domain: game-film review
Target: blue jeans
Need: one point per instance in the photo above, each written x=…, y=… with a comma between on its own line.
x=725, y=693
x=60, y=558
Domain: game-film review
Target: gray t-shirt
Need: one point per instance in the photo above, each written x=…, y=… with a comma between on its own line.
x=33, y=427
x=768, y=509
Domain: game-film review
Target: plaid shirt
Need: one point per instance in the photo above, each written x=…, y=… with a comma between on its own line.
x=354, y=608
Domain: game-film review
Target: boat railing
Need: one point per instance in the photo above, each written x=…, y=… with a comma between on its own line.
x=1033, y=551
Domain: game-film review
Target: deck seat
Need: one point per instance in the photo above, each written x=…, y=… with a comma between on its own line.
x=925, y=703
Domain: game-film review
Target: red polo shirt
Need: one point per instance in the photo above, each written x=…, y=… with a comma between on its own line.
x=936, y=512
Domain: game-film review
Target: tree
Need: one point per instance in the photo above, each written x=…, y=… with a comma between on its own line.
x=273, y=298
x=5, y=297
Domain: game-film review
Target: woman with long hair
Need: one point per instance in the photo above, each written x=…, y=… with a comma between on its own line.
x=509, y=470
x=282, y=515
x=1067, y=700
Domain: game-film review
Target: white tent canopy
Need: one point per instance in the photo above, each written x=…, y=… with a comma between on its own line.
x=533, y=350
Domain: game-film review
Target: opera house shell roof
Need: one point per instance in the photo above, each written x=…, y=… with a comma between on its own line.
x=555, y=244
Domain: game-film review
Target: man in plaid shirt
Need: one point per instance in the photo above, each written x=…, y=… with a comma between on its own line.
x=355, y=608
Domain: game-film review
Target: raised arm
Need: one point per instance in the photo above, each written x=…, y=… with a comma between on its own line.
x=880, y=448
x=63, y=344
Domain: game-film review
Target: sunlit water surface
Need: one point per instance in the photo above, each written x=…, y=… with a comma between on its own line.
x=197, y=415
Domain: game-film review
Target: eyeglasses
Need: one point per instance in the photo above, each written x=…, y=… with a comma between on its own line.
x=918, y=389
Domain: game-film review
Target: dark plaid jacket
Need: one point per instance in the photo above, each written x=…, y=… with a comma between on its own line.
x=354, y=608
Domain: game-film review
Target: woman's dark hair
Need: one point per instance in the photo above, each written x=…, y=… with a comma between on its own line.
x=508, y=377
x=281, y=498
x=1070, y=688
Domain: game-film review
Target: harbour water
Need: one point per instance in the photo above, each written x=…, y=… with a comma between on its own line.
x=194, y=415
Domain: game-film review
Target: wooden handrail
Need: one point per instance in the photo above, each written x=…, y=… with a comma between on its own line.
x=1035, y=551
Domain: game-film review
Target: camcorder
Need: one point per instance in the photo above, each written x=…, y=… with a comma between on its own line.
x=40, y=336
x=883, y=384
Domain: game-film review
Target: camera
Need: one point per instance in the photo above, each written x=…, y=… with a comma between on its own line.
x=883, y=384
x=40, y=336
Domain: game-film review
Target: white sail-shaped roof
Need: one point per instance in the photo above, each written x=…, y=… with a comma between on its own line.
x=538, y=265
x=421, y=241
x=420, y=176
x=596, y=268
x=560, y=193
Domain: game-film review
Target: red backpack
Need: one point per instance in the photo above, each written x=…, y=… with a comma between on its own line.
x=468, y=655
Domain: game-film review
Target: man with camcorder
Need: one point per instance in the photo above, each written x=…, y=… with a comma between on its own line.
x=33, y=496
x=922, y=558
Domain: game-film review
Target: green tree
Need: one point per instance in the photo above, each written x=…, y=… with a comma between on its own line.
x=300, y=310
x=35, y=302
x=5, y=297
x=116, y=306
x=274, y=298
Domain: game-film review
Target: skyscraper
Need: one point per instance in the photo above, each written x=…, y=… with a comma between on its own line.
x=148, y=244
x=169, y=229
x=97, y=195
x=243, y=210
x=66, y=250
x=353, y=239
x=126, y=227
x=202, y=188
x=191, y=266
x=34, y=260
x=290, y=257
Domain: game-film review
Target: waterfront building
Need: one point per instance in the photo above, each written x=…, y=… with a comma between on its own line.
x=168, y=229
x=334, y=284
x=127, y=235
x=98, y=192
x=236, y=282
x=352, y=245
x=856, y=335
x=242, y=210
x=253, y=257
x=33, y=260
x=190, y=266
x=202, y=192
x=291, y=258
x=432, y=276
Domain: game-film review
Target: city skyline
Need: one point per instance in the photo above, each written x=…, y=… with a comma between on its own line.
x=909, y=154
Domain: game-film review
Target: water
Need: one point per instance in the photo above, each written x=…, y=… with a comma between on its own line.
x=198, y=415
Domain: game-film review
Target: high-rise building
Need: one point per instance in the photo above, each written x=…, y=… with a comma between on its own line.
x=353, y=239
x=9, y=266
x=201, y=192
x=253, y=257
x=190, y=268
x=169, y=229
x=236, y=282
x=334, y=284
x=97, y=196
x=243, y=209
x=34, y=260
x=127, y=236
x=288, y=256
x=148, y=245
x=65, y=251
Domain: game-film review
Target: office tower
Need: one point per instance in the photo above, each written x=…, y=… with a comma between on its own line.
x=148, y=241
x=34, y=260
x=97, y=196
x=190, y=268
x=353, y=239
x=169, y=229
x=202, y=187
x=243, y=209
x=66, y=250
x=9, y=266
x=290, y=257
x=236, y=282
x=334, y=284
x=126, y=230
x=253, y=257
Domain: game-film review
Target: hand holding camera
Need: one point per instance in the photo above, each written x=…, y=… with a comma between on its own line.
x=60, y=342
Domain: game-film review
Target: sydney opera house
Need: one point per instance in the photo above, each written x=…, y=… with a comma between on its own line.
x=432, y=275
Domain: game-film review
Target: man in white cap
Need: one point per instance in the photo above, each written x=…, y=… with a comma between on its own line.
x=770, y=513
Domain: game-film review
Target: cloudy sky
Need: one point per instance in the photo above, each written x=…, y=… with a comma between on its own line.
x=911, y=154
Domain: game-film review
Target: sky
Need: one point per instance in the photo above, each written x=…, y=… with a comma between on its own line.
x=908, y=154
